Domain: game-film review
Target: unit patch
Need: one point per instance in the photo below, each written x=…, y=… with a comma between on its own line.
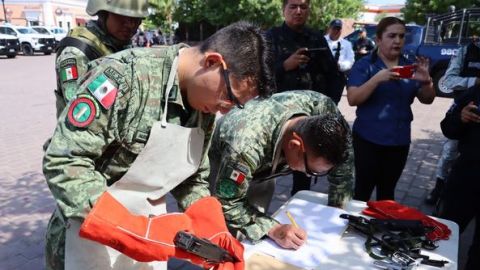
x=68, y=70
x=82, y=111
x=227, y=189
x=103, y=89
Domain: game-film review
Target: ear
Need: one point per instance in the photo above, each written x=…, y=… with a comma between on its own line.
x=295, y=142
x=212, y=59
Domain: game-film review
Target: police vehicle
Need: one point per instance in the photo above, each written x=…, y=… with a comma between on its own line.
x=9, y=45
x=438, y=40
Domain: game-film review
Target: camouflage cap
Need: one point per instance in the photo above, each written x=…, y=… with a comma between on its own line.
x=130, y=8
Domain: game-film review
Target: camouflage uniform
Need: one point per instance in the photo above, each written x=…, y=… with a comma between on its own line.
x=244, y=145
x=81, y=162
x=71, y=64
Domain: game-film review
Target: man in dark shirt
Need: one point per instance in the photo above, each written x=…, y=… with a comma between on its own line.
x=363, y=45
x=461, y=203
x=302, y=61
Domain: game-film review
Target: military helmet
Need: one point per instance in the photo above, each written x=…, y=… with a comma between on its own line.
x=130, y=8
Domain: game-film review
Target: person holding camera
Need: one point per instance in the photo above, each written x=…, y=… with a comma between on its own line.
x=302, y=61
x=383, y=85
x=461, y=204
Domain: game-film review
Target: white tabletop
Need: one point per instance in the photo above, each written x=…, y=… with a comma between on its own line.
x=350, y=252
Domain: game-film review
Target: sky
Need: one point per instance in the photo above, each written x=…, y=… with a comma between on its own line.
x=385, y=2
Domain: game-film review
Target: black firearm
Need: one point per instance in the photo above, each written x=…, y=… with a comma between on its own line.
x=202, y=248
x=395, y=238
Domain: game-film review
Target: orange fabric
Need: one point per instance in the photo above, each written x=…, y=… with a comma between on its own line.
x=391, y=209
x=141, y=238
x=151, y=239
x=208, y=222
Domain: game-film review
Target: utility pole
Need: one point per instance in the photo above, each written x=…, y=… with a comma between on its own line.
x=4, y=11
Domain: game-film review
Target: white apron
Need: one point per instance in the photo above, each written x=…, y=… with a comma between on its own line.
x=171, y=155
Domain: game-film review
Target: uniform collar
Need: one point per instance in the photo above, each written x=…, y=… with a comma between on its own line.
x=290, y=32
x=106, y=39
x=175, y=96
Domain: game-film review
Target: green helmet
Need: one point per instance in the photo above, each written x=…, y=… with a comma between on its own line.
x=130, y=8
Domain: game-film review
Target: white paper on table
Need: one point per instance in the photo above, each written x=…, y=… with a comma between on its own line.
x=323, y=226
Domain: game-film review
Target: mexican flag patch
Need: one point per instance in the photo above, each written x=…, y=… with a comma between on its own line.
x=103, y=90
x=69, y=73
x=237, y=176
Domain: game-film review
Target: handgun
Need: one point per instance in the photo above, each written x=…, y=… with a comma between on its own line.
x=202, y=247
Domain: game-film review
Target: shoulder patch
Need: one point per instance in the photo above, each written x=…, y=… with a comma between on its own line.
x=113, y=74
x=82, y=111
x=104, y=90
x=68, y=70
x=236, y=172
x=227, y=189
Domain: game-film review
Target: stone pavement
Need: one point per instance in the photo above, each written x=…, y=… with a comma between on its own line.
x=27, y=120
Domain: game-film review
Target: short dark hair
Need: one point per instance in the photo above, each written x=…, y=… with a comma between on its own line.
x=386, y=22
x=247, y=53
x=285, y=3
x=325, y=136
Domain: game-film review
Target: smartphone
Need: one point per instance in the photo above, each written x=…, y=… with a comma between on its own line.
x=317, y=49
x=405, y=72
x=310, y=51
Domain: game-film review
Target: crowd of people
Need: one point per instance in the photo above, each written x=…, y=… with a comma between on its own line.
x=136, y=124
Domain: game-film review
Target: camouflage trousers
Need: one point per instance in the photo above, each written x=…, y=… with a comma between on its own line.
x=55, y=242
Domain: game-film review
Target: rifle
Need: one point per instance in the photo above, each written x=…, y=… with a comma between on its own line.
x=399, y=243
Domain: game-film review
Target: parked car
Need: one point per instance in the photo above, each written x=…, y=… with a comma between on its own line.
x=30, y=40
x=438, y=40
x=55, y=31
x=9, y=45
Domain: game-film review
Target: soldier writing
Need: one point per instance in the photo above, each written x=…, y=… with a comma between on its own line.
x=139, y=127
x=292, y=131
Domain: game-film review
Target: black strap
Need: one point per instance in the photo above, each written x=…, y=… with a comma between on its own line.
x=90, y=51
x=337, y=52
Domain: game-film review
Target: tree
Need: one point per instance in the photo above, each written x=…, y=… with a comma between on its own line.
x=324, y=11
x=162, y=17
x=416, y=10
x=266, y=13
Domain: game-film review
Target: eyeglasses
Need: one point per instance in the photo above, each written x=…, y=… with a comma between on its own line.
x=309, y=172
x=231, y=97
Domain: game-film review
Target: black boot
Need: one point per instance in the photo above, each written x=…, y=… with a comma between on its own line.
x=434, y=195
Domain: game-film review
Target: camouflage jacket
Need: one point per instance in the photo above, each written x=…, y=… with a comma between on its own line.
x=71, y=64
x=247, y=141
x=81, y=162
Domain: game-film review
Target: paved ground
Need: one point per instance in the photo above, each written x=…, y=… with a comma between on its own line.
x=27, y=119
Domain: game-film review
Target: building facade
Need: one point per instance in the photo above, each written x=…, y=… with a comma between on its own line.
x=66, y=14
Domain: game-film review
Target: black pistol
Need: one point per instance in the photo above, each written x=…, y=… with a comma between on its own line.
x=202, y=248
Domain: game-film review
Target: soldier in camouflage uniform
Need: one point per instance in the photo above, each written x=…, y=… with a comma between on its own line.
x=296, y=67
x=117, y=22
x=271, y=138
x=107, y=124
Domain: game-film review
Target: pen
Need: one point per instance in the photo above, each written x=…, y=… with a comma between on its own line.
x=294, y=223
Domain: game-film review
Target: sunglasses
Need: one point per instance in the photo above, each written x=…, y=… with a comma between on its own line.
x=309, y=172
x=231, y=97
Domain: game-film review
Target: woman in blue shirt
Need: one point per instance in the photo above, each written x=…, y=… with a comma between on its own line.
x=381, y=131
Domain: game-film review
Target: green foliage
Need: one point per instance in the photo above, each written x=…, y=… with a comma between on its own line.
x=324, y=11
x=416, y=10
x=266, y=13
x=162, y=16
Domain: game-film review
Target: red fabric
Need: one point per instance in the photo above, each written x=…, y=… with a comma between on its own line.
x=388, y=209
x=151, y=239
x=208, y=222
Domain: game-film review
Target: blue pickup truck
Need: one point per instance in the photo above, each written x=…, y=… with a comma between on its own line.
x=438, y=40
